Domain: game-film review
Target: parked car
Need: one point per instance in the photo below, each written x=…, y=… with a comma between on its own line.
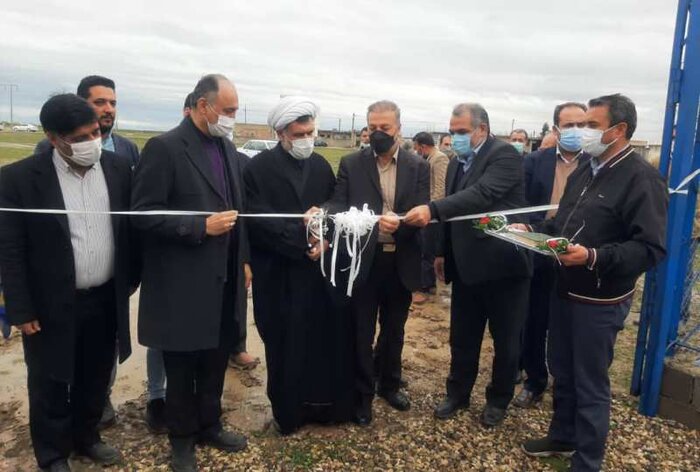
x=255, y=146
x=28, y=128
x=320, y=143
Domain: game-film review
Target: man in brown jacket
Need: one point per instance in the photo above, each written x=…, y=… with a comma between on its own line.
x=424, y=146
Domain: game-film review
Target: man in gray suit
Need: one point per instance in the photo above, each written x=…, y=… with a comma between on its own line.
x=100, y=92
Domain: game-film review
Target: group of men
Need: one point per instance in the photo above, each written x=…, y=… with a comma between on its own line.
x=68, y=276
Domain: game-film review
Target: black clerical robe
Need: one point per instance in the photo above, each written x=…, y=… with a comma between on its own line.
x=301, y=319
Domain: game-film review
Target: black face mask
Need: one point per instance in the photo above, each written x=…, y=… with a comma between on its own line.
x=381, y=142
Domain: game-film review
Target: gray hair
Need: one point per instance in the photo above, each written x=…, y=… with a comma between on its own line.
x=477, y=112
x=385, y=105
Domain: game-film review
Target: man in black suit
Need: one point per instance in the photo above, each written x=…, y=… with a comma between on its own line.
x=546, y=173
x=490, y=278
x=100, y=92
x=390, y=181
x=67, y=279
x=193, y=265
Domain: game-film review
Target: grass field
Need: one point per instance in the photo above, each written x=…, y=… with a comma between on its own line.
x=15, y=146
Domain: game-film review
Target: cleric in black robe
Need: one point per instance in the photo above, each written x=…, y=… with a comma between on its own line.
x=300, y=317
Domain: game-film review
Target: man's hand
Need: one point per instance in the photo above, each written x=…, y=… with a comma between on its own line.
x=248, y=275
x=221, y=223
x=418, y=216
x=389, y=223
x=575, y=255
x=519, y=227
x=315, y=252
x=30, y=328
x=439, y=266
x=310, y=213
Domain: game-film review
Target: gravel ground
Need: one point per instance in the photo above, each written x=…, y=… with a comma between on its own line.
x=396, y=441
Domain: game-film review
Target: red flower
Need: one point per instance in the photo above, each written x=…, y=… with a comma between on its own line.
x=485, y=220
x=553, y=244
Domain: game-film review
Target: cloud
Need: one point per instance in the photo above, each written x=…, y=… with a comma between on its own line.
x=519, y=59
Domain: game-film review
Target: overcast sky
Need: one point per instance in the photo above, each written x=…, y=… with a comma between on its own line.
x=517, y=58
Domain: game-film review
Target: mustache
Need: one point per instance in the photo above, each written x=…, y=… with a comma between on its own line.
x=107, y=115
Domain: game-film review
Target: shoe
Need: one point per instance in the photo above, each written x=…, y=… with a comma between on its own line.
x=418, y=298
x=363, y=412
x=155, y=416
x=545, y=447
x=243, y=361
x=397, y=400
x=403, y=383
x=182, y=455
x=223, y=440
x=492, y=416
x=527, y=398
x=60, y=465
x=101, y=453
x=449, y=407
x=109, y=417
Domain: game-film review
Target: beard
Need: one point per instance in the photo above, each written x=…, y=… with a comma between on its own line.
x=106, y=124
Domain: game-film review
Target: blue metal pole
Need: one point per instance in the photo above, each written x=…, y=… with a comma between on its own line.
x=672, y=271
x=664, y=165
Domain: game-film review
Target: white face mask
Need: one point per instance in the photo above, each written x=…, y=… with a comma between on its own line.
x=86, y=153
x=223, y=127
x=591, y=141
x=302, y=148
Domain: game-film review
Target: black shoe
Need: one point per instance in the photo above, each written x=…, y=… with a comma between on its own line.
x=527, y=398
x=363, y=419
x=223, y=440
x=545, y=447
x=109, y=417
x=397, y=400
x=363, y=412
x=101, y=453
x=492, y=416
x=60, y=465
x=155, y=416
x=403, y=383
x=182, y=456
x=449, y=407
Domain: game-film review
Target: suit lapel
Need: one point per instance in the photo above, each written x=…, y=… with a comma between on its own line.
x=478, y=164
x=113, y=190
x=195, y=152
x=233, y=171
x=369, y=162
x=451, y=176
x=404, y=171
x=50, y=190
x=548, y=173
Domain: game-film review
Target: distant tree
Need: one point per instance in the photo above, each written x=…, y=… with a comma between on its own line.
x=545, y=129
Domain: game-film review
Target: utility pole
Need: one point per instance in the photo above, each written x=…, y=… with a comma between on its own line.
x=352, y=131
x=245, y=114
x=11, y=87
x=512, y=125
x=339, y=120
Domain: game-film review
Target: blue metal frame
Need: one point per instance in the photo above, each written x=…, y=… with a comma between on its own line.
x=680, y=156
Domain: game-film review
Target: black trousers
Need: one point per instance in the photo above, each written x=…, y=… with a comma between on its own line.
x=196, y=380
x=534, y=353
x=503, y=303
x=63, y=416
x=581, y=348
x=428, y=240
x=383, y=294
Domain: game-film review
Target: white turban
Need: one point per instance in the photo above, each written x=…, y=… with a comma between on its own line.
x=289, y=109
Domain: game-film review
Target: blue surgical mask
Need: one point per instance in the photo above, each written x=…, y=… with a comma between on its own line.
x=520, y=147
x=570, y=139
x=462, y=144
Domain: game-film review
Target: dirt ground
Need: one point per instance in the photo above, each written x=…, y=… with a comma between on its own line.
x=412, y=440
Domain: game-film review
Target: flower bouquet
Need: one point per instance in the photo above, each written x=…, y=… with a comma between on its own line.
x=491, y=223
x=554, y=245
